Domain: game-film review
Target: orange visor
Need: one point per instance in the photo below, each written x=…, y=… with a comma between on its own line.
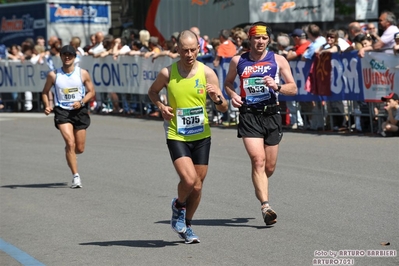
x=257, y=30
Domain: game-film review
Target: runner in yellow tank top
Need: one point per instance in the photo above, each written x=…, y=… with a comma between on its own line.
x=187, y=96
x=187, y=130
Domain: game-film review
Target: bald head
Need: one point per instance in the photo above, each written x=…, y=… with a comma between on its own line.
x=99, y=37
x=187, y=35
x=195, y=30
x=354, y=28
x=52, y=40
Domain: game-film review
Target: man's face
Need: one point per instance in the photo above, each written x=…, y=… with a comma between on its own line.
x=68, y=58
x=259, y=43
x=99, y=37
x=52, y=40
x=382, y=22
x=40, y=42
x=296, y=39
x=393, y=103
x=371, y=28
x=351, y=29
x=188, y=50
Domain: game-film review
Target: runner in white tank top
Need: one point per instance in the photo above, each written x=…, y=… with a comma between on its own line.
x=72, y=89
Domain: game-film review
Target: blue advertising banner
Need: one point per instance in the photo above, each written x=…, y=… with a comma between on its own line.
x=346, y=82
x=345, y=79
x=79, y=13
x=19, y=22
x=348, y=78
x=300, y=71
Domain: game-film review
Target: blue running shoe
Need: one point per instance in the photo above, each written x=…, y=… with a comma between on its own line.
x=178, y=221
x=190, y=237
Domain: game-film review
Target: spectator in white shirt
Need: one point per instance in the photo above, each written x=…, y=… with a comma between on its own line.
x=387, y=22
x=98, y=47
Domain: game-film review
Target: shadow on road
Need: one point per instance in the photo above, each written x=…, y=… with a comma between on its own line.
x=134, y=243
x=234, y=222
x=45, y=185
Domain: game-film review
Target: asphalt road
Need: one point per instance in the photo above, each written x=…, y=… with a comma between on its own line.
x=332, y=193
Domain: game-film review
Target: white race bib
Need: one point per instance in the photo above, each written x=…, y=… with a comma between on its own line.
x=70, y=95
x=190, y=121
x=255, y=90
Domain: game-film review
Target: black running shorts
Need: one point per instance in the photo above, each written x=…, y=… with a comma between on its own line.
x=79, y=118
x=268, y=127
x=197, y=150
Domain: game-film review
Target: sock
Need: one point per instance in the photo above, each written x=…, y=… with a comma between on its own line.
x=188, y=222
x=180, y=205
x=76, y=175
x=264, y=203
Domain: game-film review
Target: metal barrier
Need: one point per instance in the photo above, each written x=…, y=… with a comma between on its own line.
x=140, y=105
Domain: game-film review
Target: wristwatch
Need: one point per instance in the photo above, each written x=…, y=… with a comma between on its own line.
x=82, y=103
x=278, y=87
x=220, y=101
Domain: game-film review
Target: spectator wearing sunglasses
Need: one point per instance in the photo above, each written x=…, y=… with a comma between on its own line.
x=373, y=31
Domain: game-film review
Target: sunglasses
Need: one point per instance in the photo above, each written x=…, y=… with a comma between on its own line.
x=331, y=37
x=68, y=55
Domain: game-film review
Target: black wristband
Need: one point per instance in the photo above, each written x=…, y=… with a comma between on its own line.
x=278, y=88
x=220, y=101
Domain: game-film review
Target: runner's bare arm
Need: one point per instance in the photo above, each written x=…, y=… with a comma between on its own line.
x=213, y=90
x=229, y=82
x=46, y=91
x=90, y=91
x=289, y=88
x=161, y=82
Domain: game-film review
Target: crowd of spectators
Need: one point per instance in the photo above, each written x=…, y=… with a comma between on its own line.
x=309, y=41
x=302, y=43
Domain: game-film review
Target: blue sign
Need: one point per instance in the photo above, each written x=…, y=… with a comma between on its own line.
x=19, y=22
x=79, y=13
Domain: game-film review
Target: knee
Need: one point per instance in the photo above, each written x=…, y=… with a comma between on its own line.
x=70, y=145
x=79, y=150
x=258, y=162
x=192, y=184
x=197, y=188
x=188, y=183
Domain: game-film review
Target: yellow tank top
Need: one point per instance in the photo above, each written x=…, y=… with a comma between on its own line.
x=187, y=97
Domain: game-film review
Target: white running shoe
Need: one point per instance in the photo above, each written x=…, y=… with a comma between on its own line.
x=269, y=216
x=76, y=183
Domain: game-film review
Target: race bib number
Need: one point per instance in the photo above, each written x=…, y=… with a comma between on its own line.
x=70, y=94
x=255, y=90
x=190, y=121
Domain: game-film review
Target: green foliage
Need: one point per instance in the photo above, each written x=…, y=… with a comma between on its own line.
x=343, y=8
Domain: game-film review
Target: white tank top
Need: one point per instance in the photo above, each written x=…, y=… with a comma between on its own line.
x=68, y=88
